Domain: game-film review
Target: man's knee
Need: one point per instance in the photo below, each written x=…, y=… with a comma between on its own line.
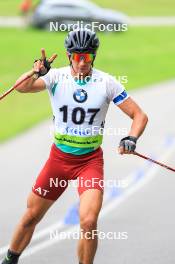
x=88, y=223
x=31, y=218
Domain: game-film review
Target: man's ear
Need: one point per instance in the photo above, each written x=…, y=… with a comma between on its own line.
x=69, y=57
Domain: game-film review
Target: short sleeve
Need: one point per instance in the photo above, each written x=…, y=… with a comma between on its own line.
x=116, y=91
x=50, y=78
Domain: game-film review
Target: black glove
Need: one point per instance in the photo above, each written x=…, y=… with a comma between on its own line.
x=46, y=66
x=128, y=143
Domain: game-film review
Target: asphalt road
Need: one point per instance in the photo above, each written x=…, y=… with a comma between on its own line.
x=143, y=210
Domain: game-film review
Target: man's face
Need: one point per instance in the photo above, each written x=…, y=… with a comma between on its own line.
x=82, y=62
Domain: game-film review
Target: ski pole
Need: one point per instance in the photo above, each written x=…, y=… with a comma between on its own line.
x=154, y=161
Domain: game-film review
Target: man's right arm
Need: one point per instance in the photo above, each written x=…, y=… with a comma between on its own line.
x=31, y=85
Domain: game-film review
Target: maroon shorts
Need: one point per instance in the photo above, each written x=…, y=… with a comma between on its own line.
x=62, y=167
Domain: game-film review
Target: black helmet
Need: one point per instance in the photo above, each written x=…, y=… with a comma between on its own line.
x=81, y=40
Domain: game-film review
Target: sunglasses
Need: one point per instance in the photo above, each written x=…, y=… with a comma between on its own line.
x=87, y=57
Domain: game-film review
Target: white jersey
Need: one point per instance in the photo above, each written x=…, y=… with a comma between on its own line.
x=79, y=108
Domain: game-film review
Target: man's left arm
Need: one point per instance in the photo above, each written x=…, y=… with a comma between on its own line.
x=140, y=119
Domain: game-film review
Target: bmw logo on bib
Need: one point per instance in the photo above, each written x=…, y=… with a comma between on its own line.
x=80, y=96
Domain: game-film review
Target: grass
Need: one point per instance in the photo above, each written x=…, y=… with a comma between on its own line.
x=145, y=55
x=141, y=7
x=130, y=7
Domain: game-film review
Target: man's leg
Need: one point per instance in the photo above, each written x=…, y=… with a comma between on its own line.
x=90, y=205
x=36, y=208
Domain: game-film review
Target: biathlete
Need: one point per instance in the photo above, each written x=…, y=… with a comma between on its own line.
x=80, y=96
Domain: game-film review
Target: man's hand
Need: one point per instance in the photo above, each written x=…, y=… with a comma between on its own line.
x=127, y=145
x=42, y=66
